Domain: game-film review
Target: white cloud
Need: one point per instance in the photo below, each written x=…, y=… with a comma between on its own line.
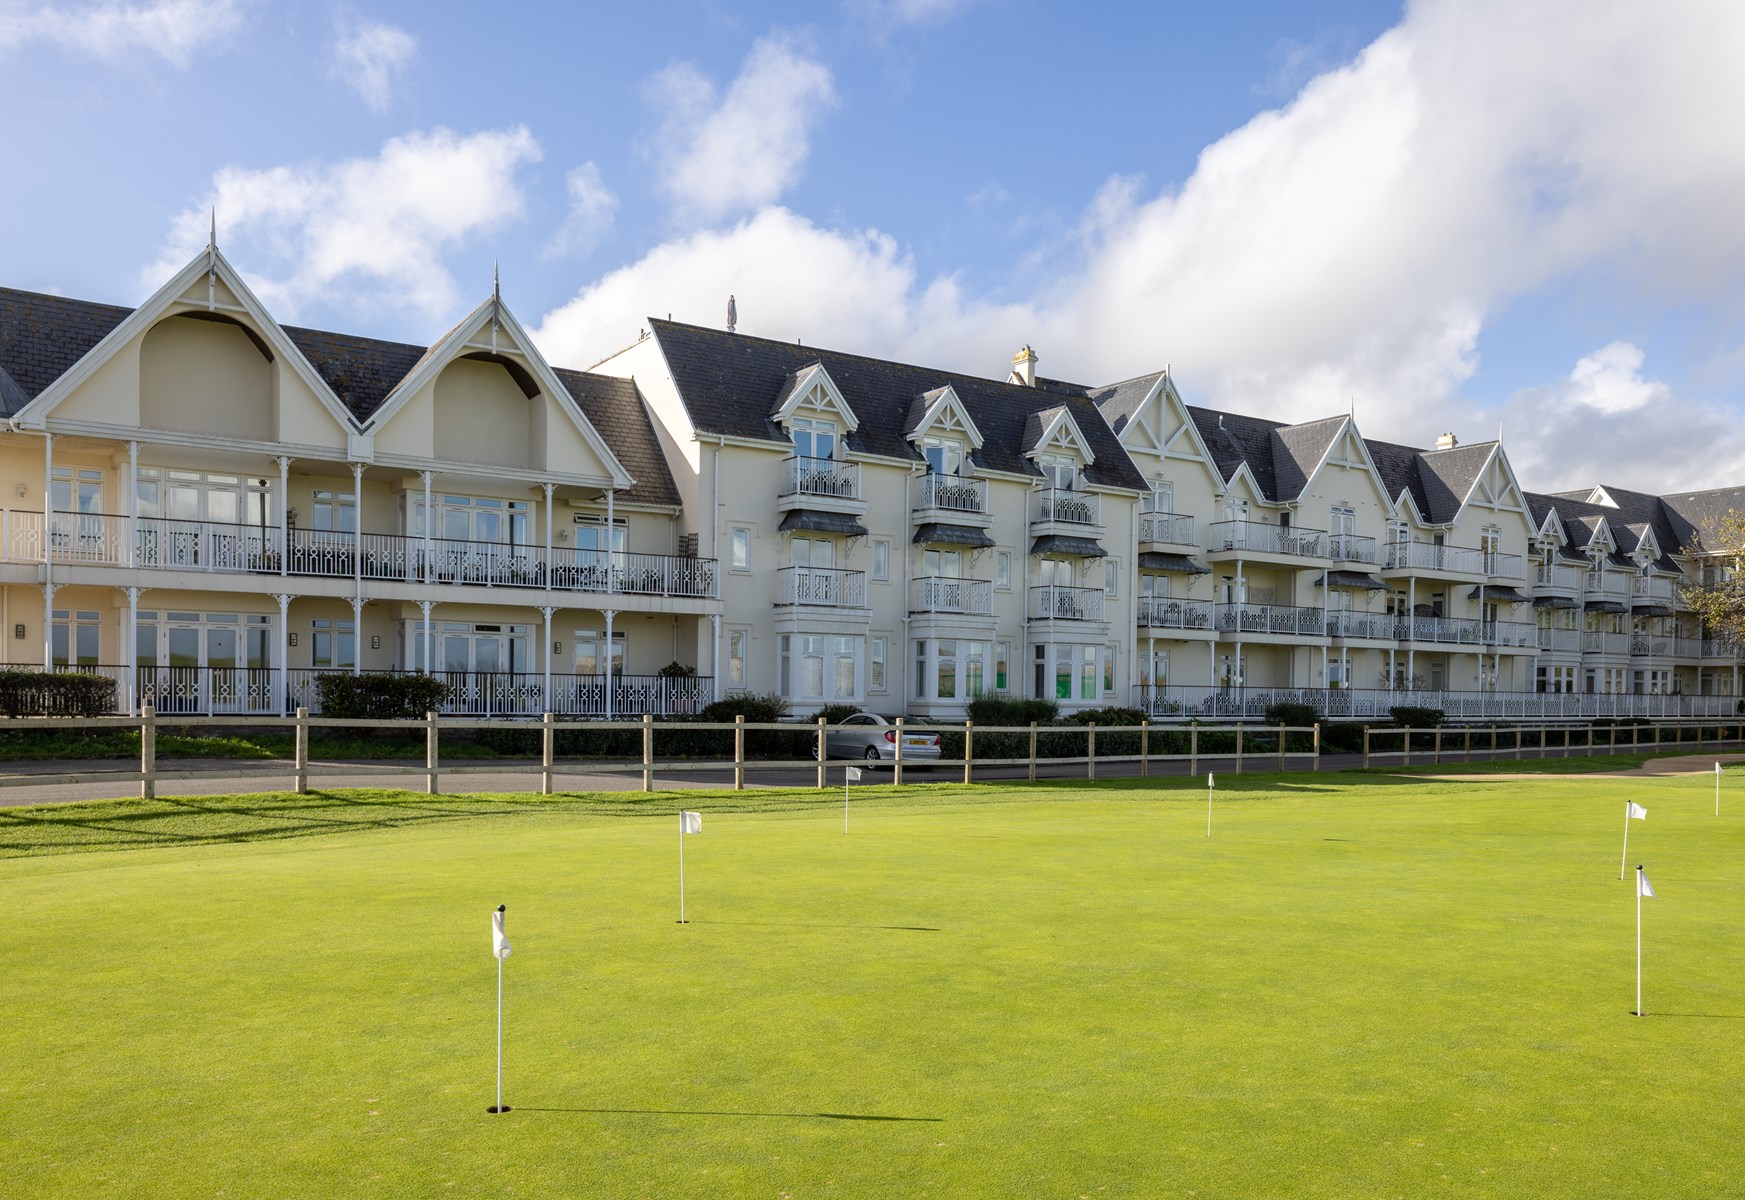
x=724, y=155
x=365, y=233
x=1350, y=244
x=370, y=58
x=892, y=14
x=1608, y=423
x=173, y=30
x=592, y=206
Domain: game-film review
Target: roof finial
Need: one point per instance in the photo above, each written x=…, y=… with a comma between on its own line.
x=212, y=237
x=732, y=314
x=496, y=283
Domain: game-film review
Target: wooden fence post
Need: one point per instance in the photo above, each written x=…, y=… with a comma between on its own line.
x=547, y=748
x=1091, y=751
x=430, y=754
x=1590, y=739
x=1436, y=750
x=1144, y=747
x=1281, y=746
x=1406, y=747
x=897, y=771
x=148, y=752
x=648, y=753
x=1239, y=749
x=1317, y=762
x=1466, y=748
x=300, y=781
x=1366, y=746
x=1033, y=752
x=819, y=753
x=739, y=752
x=1194, y=749
x=969, y=733
x=1493, y=757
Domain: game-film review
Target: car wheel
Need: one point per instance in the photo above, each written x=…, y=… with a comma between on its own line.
x=872, y=754
x=814, y=752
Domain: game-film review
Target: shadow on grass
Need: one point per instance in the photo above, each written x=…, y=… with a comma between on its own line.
x=823, y=925
x=704, y=1112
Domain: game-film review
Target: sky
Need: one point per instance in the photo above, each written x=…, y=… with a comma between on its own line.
x=1464, y=216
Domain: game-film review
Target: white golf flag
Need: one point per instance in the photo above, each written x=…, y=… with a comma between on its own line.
x=1209, y=782
x=854, y=774
x=690, y=822
x=1643, y=887
x=1637, y=811
x=499, y=939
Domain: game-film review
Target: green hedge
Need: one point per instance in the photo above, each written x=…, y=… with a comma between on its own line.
x=388, y=697
x=55, y=694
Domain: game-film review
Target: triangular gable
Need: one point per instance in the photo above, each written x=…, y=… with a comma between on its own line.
x=1646, y=543
x=942, y=414
x=1405, y=506
x=1348, y=449
x=492, y=329
x=1552, y=527
x=1602, y=537
x=1242, y=480
x=1496, y=488
x=1058, y=432
x=812, y=388
x=1161, y=424
x=208, y=283
x=1602, y=498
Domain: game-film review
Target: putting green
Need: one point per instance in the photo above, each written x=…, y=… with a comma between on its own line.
x=1358, y=986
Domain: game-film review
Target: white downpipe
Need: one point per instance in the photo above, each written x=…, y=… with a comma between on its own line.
x=48, y=550
x=282, y=677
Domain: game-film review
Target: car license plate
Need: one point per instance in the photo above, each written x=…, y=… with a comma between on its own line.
x=918, y=741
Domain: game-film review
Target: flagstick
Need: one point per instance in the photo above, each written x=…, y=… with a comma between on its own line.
x=1639, y=940
x=1717, y=789
x=682, y=920
x=845, y=771
x=500, y=1107
x=1208, y=805
x=1624, y=857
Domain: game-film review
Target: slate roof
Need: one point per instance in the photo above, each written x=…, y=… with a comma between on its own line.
x=1692, y=514
x=1636, y=513
x=728, y=382
x=1281, y=457
x=41, y=337
x=1119, y=401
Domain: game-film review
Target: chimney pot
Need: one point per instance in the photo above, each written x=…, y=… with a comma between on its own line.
x=1447, y=442
x=1024, y=367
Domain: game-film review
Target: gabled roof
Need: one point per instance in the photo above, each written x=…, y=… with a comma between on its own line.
x=932, y=407
x=728, y=381
x=1694, y=515
x=1118, y=402
x=1450, y=475
x=41, y=337
x=799, y=383
x=1280, y=458
x=1297, y=450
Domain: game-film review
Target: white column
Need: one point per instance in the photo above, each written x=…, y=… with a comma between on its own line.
x=357, y=533
x=284, y=515
x=429, y=518
x=545, y=569
x=133, y=651
x=48, y=549
x=715, y=657
x=132, y=504
x=546, y=612
x=426, y=606
x=282, y=677
x=611, y=560
x=609, y=614
x=357, y=635
x=1412, y=626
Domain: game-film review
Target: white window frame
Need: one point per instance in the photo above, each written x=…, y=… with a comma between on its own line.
x=736, y=673
x=878, y=668
x=1002, y=570
x=881, y=559
x=738, y=536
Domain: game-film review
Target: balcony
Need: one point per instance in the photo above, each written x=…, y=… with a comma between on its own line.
x=1445, y=560
x=1650, y=645
x=1558, y=577
x=951, y=497
x=1172, y=612
x=1560, y=639
x=1349, y=623
x=1167, y=529
x=821, y=587
x=1255, y=537
x=1244, y=618
x=1723, y=648
x=940, y=594
x=1522, y=634
x=1606, y=585
x=1594, y=641
x=819, y=484
x=1654, y=589
x=1049, y=603
x=167, y=544
x=1351, y=547
x=1443, y=631
x=1066, y=507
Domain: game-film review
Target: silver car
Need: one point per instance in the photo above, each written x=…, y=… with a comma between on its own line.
x=871, y=737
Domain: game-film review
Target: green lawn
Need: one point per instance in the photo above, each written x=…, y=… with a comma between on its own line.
x=1358, y=987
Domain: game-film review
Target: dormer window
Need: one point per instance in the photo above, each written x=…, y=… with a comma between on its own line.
x=1058, y=471
x=813, y=438
x=945, y=455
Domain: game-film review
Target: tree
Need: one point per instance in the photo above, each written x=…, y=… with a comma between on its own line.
x=1718, y=597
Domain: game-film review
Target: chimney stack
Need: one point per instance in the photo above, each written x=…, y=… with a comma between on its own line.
x=1447, y=442
x=1023, y=367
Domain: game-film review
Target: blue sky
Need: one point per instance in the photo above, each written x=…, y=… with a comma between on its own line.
x=1458, y=215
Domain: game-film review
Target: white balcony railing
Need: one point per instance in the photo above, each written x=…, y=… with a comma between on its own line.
x=1250, y=703
x=1650, y=644
x=1654, y=589
x=1065, y=505
x=1171, y=529
x=1454, y=560
x=1595, y=641
x=1606, y=585
x=1260, y=538
x=1559, y=639
x=1174, y=612
x=826, y=477
x=1271, y=618
x=1448, y=631
x=822, y=587
x=1560, y=577
x=953, y=493
x=1347, y=622
x=1351, y=547
x=1050, y=603
x=1511, y=633
x=941, y=594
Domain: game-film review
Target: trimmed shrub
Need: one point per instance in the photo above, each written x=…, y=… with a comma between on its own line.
x=758, y=708
x=55, y=694
x=676, y=670
x=836, y=714
x=1286, y=712
x=1414, y=717
x=388, y=697
x=996, y=710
